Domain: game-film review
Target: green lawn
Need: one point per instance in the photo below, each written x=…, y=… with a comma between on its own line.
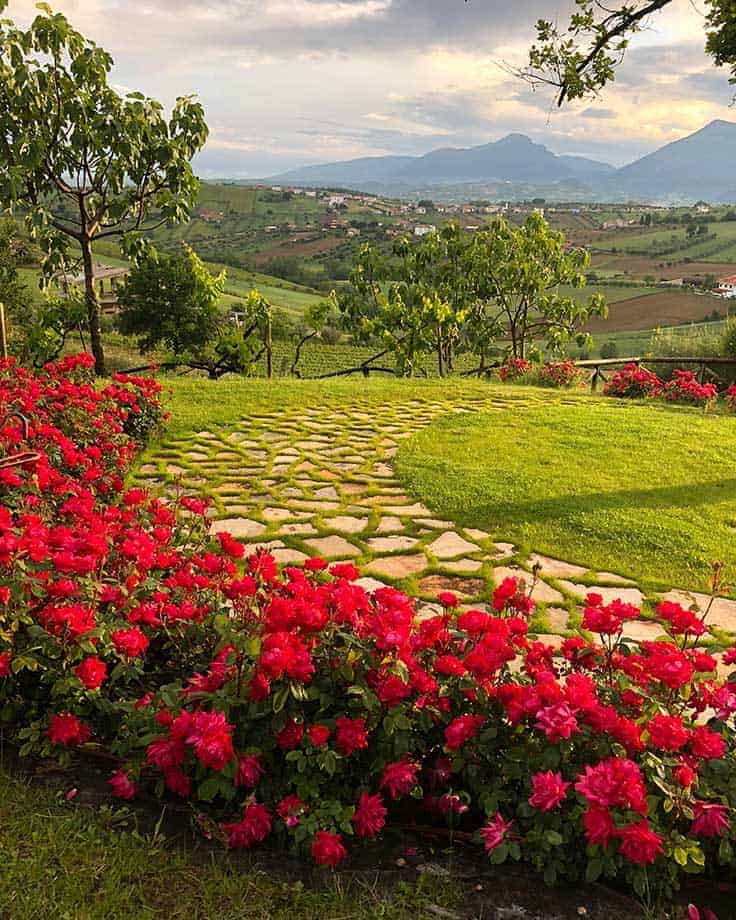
x=76, y=863
x=642, y=490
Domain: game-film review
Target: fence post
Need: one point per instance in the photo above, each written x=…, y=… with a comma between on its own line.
x=3, y=333
x=594, y=379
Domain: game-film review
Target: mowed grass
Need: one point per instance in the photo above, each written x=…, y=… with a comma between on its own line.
x=642, y=490
x=75, y=863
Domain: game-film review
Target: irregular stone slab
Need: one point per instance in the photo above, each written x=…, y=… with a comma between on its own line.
x=722, y=613
x=238, y=527
x=558, y=617
x=173, y=469
x=503, y=549
x=147, y=469
x=398, y=566
x=333, y=547
x=352, y=488
x=391, y=544
x=384, y=500
x=542, y=593
x=476, y=534
x=207, y=435
x=196, y=455
x=289, y=556
x=434, y=523
x=238, y=437
x=614, y=579
x=627, y=595
x=382, y=469
x=464, y=566
x=556, y=567
x=389, y=524
x=551, y=639
x=315, y=506
x=415, y=510
x=287, y=530
x=643, y=630
x=269, y=546
x=346, y=523
x=326, y=492
x=433, y=585
x=450, y=544
x=370, y=584
x=278, y=514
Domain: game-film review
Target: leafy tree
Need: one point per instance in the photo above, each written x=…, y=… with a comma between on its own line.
x=171, y=300
x=13, y=291
x=580, y=59
x=609, y=350
x=410, y=303
x=84, y=162
x=517, y=272
x=48, y=325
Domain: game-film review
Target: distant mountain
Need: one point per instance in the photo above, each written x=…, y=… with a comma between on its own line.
x=700, y=166
x=512, y=159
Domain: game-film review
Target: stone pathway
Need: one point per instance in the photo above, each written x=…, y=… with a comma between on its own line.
x=320, y=481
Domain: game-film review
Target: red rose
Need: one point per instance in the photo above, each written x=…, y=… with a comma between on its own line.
x=5, y=664
x=462, y=729
x=319, y=735
x=399, y=778
x=67, y=730
x=639, y=844
x=253, y=828
x=327, y=849
x=351, y=735
x=250, y=770
x=130, y=643
x=711, y=820
x=494, y=833
x=548, y=790
x=370, y=815
x=122, y=785
x=706, y=744
x=290, y=736
x=92, y=672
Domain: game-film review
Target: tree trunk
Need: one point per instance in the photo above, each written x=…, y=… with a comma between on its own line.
x=269, y=348
x=440, y=367
x=93, y=309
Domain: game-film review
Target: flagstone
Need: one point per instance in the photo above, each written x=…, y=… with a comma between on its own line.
x=609, y=594
x=398, y=566
x=558, y=618
x=297, y=529
x=326, y=492
x=463, y=566
x=382, y=469
x=503, y=549
x=352, y=488
x=278, y=514
x=614, y=579
x=556, y=567
x=391, y=544
x=433, y=585
x=238, y=527
x=451, y=544
x=643, y=630
x=147, y=469
x=238, y=510
x=476, y=534
x=346, y=523
x=389, y=524
x=415, y=510
x=542, y=592
x=722, y=612
x=434, y=523
x=289, y=556
x=370, y=584
x=333, y=547
x=173, y=469
x=269, y=546
x=315, y=506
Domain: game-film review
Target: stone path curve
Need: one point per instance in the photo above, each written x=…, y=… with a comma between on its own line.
x=319, y=481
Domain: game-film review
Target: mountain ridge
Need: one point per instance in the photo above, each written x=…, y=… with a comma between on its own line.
x=673, y=172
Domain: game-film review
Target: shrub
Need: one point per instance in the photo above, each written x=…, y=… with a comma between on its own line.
x=295, y=704
x=633, y=382
x=559, y=374
x=684, y=387
x=513, y=369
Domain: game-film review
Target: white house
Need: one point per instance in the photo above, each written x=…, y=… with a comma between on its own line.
x=726, y=287
x=423, y=229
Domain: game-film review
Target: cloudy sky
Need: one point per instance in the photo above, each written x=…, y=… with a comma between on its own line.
x=291, y=82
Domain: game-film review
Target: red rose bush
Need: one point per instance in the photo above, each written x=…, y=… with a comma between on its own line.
x=295, y=706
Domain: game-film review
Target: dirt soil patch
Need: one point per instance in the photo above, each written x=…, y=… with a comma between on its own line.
x=667, y=308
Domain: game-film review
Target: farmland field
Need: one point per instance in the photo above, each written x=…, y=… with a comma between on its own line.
x=664, y=308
